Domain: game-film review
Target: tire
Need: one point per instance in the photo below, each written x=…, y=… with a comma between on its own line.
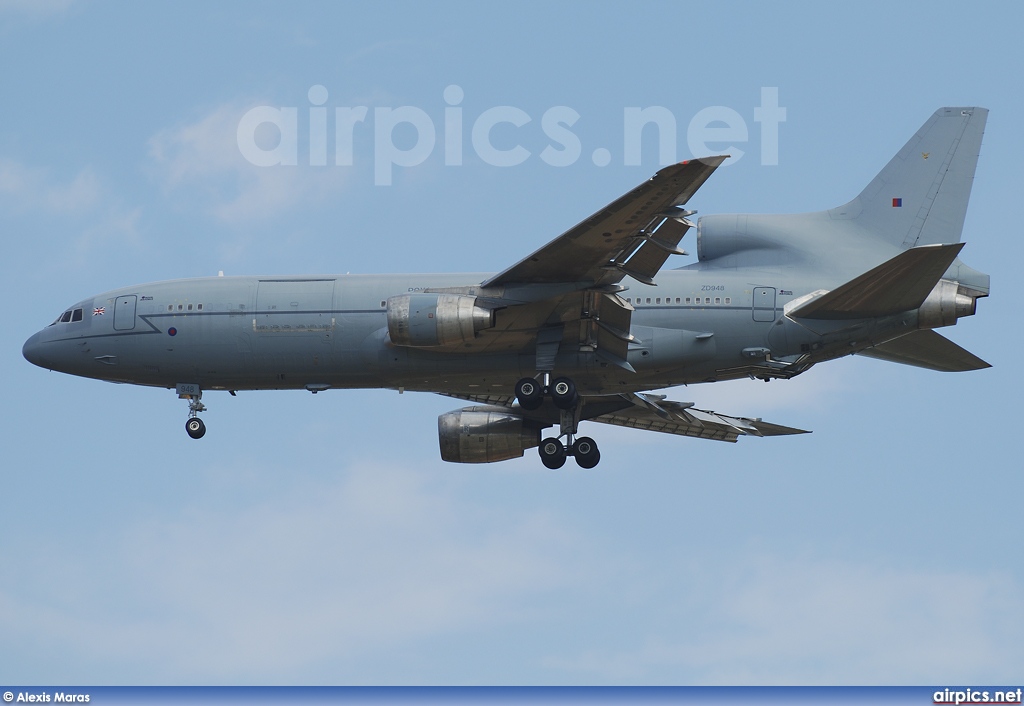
x=586, y=453
x=195, y=428
x=529, y=394
x=563, y=393
x=552, y=453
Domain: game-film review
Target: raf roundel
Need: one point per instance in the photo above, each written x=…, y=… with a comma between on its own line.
x=172, y=331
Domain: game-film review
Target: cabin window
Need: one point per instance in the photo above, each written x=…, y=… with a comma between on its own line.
x=190, y=307
x=179, y=307
x=383, y=304
x=658, y=300
x=687, y=300
x=648, y=300
x=170, y=307
x=718, y=300
x=199, y=307
x=728, y=300
x=707, y=300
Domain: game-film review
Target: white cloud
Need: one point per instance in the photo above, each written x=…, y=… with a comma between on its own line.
x=82, y=203
x=769, y=620
x=302, y=583
x=202, y=160
x=33, y=188
x=324, y=573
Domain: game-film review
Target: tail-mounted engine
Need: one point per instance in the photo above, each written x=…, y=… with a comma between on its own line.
x=947, y=302
x=484, y=435
x=429, y=320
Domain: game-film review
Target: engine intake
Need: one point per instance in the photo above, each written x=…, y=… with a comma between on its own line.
x=426, y=320
x=484, y=435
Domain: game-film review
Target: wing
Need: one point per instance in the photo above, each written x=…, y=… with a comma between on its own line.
x=650, y=412
x=564, y=295
x=633, y=235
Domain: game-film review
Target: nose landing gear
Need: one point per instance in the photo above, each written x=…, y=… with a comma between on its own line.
x=194, y=426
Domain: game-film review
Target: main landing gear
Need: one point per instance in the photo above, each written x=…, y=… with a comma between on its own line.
x=584, y=449
x=530, y=395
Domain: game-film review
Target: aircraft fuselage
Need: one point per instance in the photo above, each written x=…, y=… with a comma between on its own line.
x=321, y=332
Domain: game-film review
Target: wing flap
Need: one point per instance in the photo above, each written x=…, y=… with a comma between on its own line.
x=654, y=414
x=655, y=249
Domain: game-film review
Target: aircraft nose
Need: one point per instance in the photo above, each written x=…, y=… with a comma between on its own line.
x=33, y=350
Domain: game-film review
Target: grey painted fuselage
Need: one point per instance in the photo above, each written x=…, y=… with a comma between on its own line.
x=231, y=333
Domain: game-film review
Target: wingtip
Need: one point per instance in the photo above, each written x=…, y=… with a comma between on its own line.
x=711, y=161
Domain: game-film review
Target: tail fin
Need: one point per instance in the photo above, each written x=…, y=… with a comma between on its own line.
x=921, y=195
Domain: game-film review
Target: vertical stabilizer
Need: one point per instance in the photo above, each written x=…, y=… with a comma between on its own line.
x=920, y=197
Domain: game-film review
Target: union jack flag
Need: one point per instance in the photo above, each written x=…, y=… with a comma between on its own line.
x=99, y=311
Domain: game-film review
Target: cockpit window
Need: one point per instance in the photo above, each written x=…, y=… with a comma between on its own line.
x=68, y=316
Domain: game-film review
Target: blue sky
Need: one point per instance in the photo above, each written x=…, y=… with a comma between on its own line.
x=321, y=539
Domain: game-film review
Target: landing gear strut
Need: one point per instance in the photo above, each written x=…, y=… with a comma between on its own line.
x=553, y=452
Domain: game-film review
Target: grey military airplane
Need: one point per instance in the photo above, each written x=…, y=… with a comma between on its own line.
x=585, y=327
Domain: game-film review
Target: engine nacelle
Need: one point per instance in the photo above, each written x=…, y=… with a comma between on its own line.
x=426, y=320
x=721, y=236
x=484, y=435
x=945, y=305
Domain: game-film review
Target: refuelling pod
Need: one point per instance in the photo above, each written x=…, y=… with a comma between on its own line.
x=484, y=435
x=430, y=320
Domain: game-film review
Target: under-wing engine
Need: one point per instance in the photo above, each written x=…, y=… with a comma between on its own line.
x=427, y=320
x=484, y=435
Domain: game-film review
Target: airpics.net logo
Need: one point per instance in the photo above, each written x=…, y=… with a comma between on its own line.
x=269, y=136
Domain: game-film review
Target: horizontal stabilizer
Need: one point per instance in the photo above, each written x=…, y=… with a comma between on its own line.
x=899, y=284
x=927, y=349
